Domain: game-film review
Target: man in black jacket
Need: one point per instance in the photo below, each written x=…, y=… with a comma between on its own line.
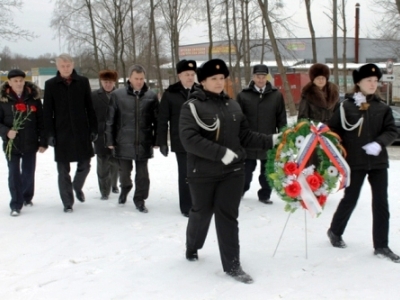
x=71, y=127
x=130, y=131
x=170, y=108
x=264, y=107
x=21, y=97
x=107, y=165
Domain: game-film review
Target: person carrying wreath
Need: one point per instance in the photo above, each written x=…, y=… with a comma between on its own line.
x=20, y=98
x=214, y=132
x=367, y=127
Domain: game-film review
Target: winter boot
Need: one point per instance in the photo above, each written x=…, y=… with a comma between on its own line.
x=124, y=193
x=387, y=253
x=336, y=240
x=191, y=255
x=240, y=275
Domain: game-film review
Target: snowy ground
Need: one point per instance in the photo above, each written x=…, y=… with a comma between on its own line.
x=103, y=251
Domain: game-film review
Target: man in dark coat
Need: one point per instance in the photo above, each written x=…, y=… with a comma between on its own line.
x=170, y=108
x=21, y=97
x=107, y=165
x=264, y=107
x=71, y=127
x=130, y=131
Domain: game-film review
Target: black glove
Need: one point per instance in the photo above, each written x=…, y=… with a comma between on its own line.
x=164, y=150
x=93, y=137
x=51, y=141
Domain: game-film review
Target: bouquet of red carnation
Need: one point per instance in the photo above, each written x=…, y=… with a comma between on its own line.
x=21, y=113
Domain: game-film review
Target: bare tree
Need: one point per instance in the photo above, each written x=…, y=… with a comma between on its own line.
x=156, y=53
x=210, y=31
x=10, y=30
x=335, y=41
x=265, y=12
x=312, y=31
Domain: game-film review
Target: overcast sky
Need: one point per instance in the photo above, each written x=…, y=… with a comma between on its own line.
x=36, y=15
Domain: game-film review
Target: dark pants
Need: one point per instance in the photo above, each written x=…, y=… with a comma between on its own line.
x=107, y=173
x=64, y=180
x=21, y=178
x=185, y=200
x=220, y=197
x=378, y=180
x=142, y=180
x=250, y=165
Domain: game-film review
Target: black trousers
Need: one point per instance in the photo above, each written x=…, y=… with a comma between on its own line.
x=219, y=197
x=378, y=180
x=21, y=179
x=185, y=200
x=250, y=165
x=107, y=173
x=65, y=185
x=142, y=180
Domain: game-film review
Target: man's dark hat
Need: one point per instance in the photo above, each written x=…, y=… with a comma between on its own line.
x=319, y=70
x=16, y=73
x=211, y=68
x=186, y=65
x=365, y=71
x=260, y=69
x=108, y=75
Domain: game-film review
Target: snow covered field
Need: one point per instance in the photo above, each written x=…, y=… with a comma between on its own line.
x=104, y=251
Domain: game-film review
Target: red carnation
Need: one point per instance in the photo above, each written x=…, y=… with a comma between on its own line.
x=33, y=108
x=320, y=177
x=314, y=182
x=290, y=168
x=20, y=107
x=322, y=200
x=293, y=189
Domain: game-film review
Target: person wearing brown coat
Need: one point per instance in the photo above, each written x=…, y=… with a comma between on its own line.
x=319, y=97
x=107, y=165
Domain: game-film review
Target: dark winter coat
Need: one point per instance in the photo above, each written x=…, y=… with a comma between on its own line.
x=69, y=117
x=32, y=135
x=100, y=105
x=378, y=126
x=205, y=149
x=318, y=105
x=266, y=112
x=170, y=109
x=131, y=124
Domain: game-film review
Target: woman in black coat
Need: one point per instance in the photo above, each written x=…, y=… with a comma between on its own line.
x=366, y=127
x=214, y=132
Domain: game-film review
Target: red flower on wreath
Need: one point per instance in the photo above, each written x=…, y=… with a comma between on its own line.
x=290, y=168
x=293, y=189
x=33, y=108
x=20, y=107
x=322, y=200
x=320, y=177
x=314, y=182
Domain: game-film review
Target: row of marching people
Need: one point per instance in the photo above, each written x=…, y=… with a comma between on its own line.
x=217, y=142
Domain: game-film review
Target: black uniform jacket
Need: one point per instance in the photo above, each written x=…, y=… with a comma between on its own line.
x=170, y=108
x=131, y=124
x=69, y=117
x=206, y=148
x=378, y=126
x=32, y=135
x=100, y=104
x=266, y=112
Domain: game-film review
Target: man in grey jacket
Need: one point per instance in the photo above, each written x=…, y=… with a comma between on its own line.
x=264, y=107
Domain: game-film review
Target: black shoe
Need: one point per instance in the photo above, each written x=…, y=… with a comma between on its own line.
x=115, y=190
x=15, y=213
x=28, y=203
x=240, y=275
x=185, y=215
x=336, y=240
x=191, y=255
x=142, y=208
x=124, y=193
x=68, y=209
x=80, y=196
x=103, y=197
x=387, y=253
x=265, y=201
